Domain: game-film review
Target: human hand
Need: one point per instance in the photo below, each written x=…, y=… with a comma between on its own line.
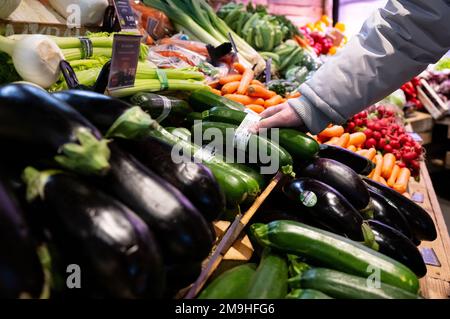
x=282, y=115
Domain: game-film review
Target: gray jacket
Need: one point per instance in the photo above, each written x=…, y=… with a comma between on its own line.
x=396, y=43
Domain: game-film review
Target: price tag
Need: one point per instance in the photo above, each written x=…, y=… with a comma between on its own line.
x=242, y=134
x=429, y=257
x=124, y=61
x=125, y=15
x=269, y=70
x=418, y=197
x=152, y=25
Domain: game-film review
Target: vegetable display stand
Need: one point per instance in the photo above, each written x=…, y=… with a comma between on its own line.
x=436, y=284
x=431, y=100
x=229, y=238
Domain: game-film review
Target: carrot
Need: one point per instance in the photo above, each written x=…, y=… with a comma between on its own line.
x=351, y=148
x=388, y=165
x=217, y=92
x=294, y=95
x=382, y=181
x=357, y=138
x=259, y=91
x=239, y=67
x=332, y=141
x=230, y=87
x=214, y=84
x=247, y=78
x=371, y=153
x=361, y=152
x=334, y=131
x=401, y=184
x=273, y=101
x=378, y=167
x=244, y=99
x=230, y=78
x=255, y=107
x=256, y=82
x=393, y=177
x=343, y=140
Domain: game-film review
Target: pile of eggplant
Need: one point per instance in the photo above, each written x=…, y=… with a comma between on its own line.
x=133, y=222
x=329, y=194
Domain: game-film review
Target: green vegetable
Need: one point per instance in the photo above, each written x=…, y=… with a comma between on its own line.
x=270, y=279
x=344, y=286
x=202, y=100
x=232, y=284
x=307, y=294
x=334, y=251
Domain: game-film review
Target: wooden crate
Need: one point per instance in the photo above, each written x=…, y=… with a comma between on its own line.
x=431, y=100
x=420, y=122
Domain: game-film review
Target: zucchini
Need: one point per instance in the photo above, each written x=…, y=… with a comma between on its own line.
x=180, y=132
x=232, y=284
x=324, y=205
x=356, y=162
x=334, y=251
x=307, y=294
x=344, y=286
x=270, y=279
x=192, y=117
x=202, y=100
x=255, y=145
x=298, y=144
x=342, y=178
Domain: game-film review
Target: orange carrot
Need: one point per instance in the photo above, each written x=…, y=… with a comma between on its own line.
x=361, y=152
x=260, y=101
x=332, y=141
x=214, y=84
x=371, y=153
x=357, y=138
x=230, y=78
x=382, y=181
x=255, y=107
x=343, y=140
x=393, y=177
x=230, y=87
x=388, y=165
x=217, y=92
x=371, y=174
x=259, y=91
x=273, y=101
x=247, y=78
x=401, y=184
x=378, y=167
x=334, y=131
x=239, y=67
x=351, y=148
x=244, y=99
x=256, y=82
x=294, y=95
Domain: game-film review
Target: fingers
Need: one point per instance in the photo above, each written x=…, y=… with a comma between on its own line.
x=272, y=110
x=277, y=120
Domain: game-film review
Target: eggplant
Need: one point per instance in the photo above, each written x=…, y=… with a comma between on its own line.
x=110, y=243
x=419, y=220
x=394, y=244
x=326, y=206
x=356, y=162
x=21, y=273
x=184, y=235
x=194, y=180
x=43, y=127
x=340, y=177
x=182, y=275
x=386, y=212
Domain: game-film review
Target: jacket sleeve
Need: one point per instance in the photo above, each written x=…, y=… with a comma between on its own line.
x=396, y=43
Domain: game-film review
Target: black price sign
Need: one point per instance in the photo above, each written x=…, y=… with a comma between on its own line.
x=125, y=15
x=124, y=62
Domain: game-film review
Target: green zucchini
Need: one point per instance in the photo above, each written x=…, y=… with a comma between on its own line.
x=344, y=286
x=255, y=145
x=270, y=279
x=334, y=251
x=180, y=132
x=232, y=284
x=202, y=100
x=307, y=294
x=298, y=144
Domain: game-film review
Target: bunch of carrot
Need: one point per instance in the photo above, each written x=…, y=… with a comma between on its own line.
x=242, y=87
x=388, y=170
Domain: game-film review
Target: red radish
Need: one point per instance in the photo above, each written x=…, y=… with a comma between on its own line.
x=358, y=122
x=351, y=125
x=382, y=143
x=376, y=135
x=371, y=142
x=368, y=132
x=401, y=164
x=388, y=148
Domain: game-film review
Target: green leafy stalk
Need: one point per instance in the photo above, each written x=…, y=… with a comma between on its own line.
x=369, y=237
x=36, y=181
x=134, y=123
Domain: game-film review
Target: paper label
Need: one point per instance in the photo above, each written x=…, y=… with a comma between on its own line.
x=125, y=15
x=418, y=197
x=429, y=257
x=124, y=61
x=309, y=199
x=242, y=134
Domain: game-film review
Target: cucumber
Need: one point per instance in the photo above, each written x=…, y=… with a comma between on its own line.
x=299, y=145
x=256, y=144
x=232, y=284
x=202, y=100
x=344, y=286
x=270, y=279
x=334, y=251
x=307, y=294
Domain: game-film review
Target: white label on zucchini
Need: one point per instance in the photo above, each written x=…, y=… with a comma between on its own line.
x=309, y=199
x=167, y=107
x=242, y=134
x=205, y=153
